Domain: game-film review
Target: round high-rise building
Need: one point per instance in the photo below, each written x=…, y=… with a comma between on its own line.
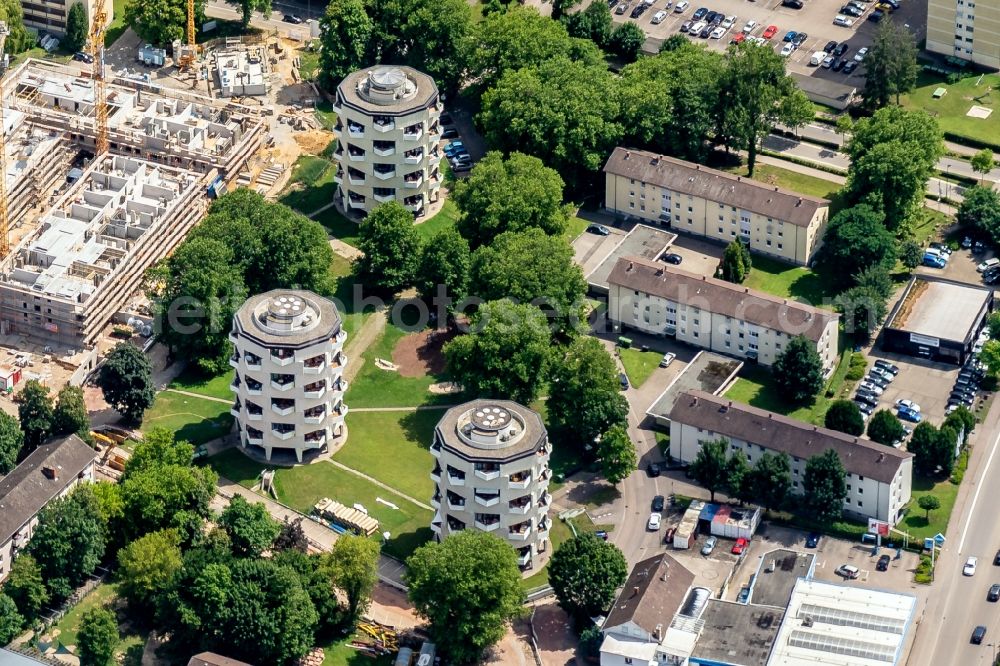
x=289, y=361
x=389, y=130
x=492, y=474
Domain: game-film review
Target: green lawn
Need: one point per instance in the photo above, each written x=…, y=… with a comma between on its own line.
x=105, y=594
x=393, y=448
x=340, y=653
x=445, y=219
x=915, y=522
x=311, y=185
x=639, y=365
x=797, y=182
x=951, y=109
x=325, y=115
x=559, y=533
x=575, y=228
x=215, y=387
x=788, y=281
x=196, y=420
x=339, y=226
x=117, y=27
x=302, y=486
x=373, y=387
x=755, y=386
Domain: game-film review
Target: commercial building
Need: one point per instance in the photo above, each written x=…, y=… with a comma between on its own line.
x=389, y=129
x=878, y=477
x=289, y=361
x=49, y=472
x=965, y=29
x=693, y=199
x=51, y=15
x=492, y=474
x=661, y=299
x=937, y=319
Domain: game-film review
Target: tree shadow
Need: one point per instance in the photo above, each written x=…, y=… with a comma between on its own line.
x=418, y=426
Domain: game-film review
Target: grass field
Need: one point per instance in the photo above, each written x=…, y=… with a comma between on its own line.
x=69, y=626
x=788, y=281
x=915, y=521
x=214, y=387
x=444, y=219
x=639, y=365
x=311, y=184
x=951, y=109
x=575, y=228
x=340, y=653
x=373, y=387
x=198, y=421
x=301, y=487
x=755, y=386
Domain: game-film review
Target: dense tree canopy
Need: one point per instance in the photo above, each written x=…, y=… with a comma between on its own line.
x=248, y=7
x=824, y=487
x=516, y=193
x=885, y=428
x=70, y=414
x=250, y=527
x=981, y=208
x=439, y=35
x=159, y=21
x=585, y=572
x=798, y=371
x=391, y=248
x=353, y=566
x=146, y=567
x=585, y=398
x=736, y=262
x=771, y=478
x=11, y=441
x=891, y=65
x=77, y=27
x=11, y=621
x=617, y=454
x=126, y=380
x=446, y=261
x=25, y=586
x=468, y=587
x=68, y=542
x=626, y=40
x=505, y=355
x=844, y=415
x=709, y=467
x=19, y=38
x=593, y=23
x=345, y=30
x=933, y=449
x=34, y=412
x=856, y=239
x=98, y=637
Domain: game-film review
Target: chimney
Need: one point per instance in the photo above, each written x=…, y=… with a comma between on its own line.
x=746, y=290
x=635, y=591
x=631, y=265
x=697, y=167
x=881, y=457
x=799, y=203
x=704, y=278
x=769, y=415
x=628, y=154
x=694, y=401
x=50, y=472
x=739, y=179
x=775, y=188
x=658, y=632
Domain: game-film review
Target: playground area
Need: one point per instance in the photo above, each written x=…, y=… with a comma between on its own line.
x=963, y=108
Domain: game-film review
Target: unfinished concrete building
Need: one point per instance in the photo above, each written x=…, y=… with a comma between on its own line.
x=84, y=229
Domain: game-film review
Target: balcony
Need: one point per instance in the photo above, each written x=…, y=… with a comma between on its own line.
x=355, y=201
x=384, y=148
x=520, y=532
x=487, y=523
x=520, y=506
x=282, y=407
x=254, y=412
x=282, y=357
x=436, y=474
x=434, y=133
x=436, y=501
x=434, y=158
x=455, y=477
x=436, y=528
x=315, y=415
x=314, y=365
x=436, y=449
x=283, y=431
x=455, y=525
x=234, y=361
x=341, y=385
x=524, y=559
x=315, y=438
x=488, y=472
x=254, y=436
x=545, y=499
x=384, y=171
x=314, y=391
x=383, y=124
x=340, y=338
x=355, y=155
x=355, y=177
x=355, y=130
x=456, y=502
x=234, y=409
x=543, y=528
x=414, y=156
x=519, y=481
x=282, y=382
x=414, y=204
x=339, y=361
x=413, y=183
x=252, y=361
x=486, y=499
x=340, y=411
x=338, y=178
x=413, y=133
x=254, y=387
x=383, y=198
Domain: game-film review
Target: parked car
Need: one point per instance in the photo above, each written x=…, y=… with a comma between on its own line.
x=876, y=16
x=709, y=546
x=699, y=13
x=841, y=49
x=787, y=50
x=866, y=396
x=883, y=563
x=888, y=367
x=740, y=546
x=449, y=133
x=292, y=18
x=988, y=264
x=653, y=524
x=639, y=10
x=850, y=10
x=843, y=21
x=865, y=408
x=812, y=541
x=770, y=31
x=994, y=593
x=849, y=571
x=658, y=17
x=667, y=359
x=717, y=33
x=827, y=62
x=793, y=4
x=749, y=26
x=686, y=26
x=657, y=505
x=934, y=261
x=978, y=634
x=81, y=56
x=598, y=229
x=728, y=22
x=909, y=415
x=966, y=243
x=879, y=372
x=653, y=469
x=838, y=64
x=623, y=380
x=789, y=36
x=970, y=567
x=830, y=46
x=738, y=38
x=681, y=6
x=908, y=404
x=868, y=386
x=878, y=380
x=978, y=247
x=849, y=67
x=706, y=31
x=800, y=38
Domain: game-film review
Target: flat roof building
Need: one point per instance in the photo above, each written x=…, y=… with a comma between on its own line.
x=691, y=198
x=937, y=319
x=739, y=634
x=241, y=71
x=641, y=241
x=878, y=477
x=707, y=371
x=661, y=299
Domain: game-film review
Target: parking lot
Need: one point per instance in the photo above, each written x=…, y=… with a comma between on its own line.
x=697, y=256
x=924, y=382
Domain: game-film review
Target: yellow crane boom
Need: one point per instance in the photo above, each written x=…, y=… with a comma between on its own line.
x=96, y=48
x=4, y=219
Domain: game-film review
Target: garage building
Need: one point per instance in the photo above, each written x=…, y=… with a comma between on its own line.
x=937, y=319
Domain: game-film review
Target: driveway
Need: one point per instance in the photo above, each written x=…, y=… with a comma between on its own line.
x=699, y=257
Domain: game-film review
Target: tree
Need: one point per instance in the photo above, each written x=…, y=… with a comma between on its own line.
x=165, y=497
x=864, y=310
x=70, y=414
x=844, y=416
x=885, y=428
x=505, y=355
x=981, y=208
x=344, y=33
x=353, y=562
x=157, y=449
x=19, y=38
x=250, y=527
x=928, y=503
x=439, y=37
x=857, y=239
x=11, y=621
x=11, y=441
x=733, y=267
x=248, y=7
x=617, y=455
x=585, y=572
x=824, y=487
x=555, y=282
x=390, y=247
x=318, y=582
x=76, y=27
x=26, y=587
x=146, y=566
x=893, y=153
x=933, y=450
x=513, y=194
x=593, y=23
x=559, y=8
x=585, y=398
x=993, y=325
x=126, y=380
x=982, y=163
x=990, y=356
x=771, y=478
x=468, y=588
x=626, y=40
x=910, y=253
x=34, y=411
x=157, y=21
x=516, y=39
x=68, y=542
x=759, y=94
x=674, y=42
x=877, y=279
x=891, y=65
x=292, y=537
x=563, y=111
x=709, y=467
x=845, y=125
x=739, y=479
x=961, y=421
x=798, y=371
x=446, y=261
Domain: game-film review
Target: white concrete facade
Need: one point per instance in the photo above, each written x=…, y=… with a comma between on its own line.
x=492, y=475
x=289, y=362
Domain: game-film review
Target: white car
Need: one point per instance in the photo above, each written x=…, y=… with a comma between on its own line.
x=667, y=359
x=681, y=6
x=860, y=55
x=988, y=264
x=843, y=21
x=717, y=33
x=749, y=27
x=828, y=62
x=697, y=27
x=970, y=567
x=869, y=386
x=709, y=546
x=728, y=22
x=653, y=524
x=787, y=49
x=817, y=58
x=658, y=17
x=908, y=404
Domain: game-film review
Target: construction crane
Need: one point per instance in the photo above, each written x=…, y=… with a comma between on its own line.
x=4, y=219
x=188, y=56
x=96, y=49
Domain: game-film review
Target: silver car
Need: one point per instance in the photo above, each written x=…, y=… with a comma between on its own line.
x=709, y=546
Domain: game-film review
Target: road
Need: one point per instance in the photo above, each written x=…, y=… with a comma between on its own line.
x=218, y=9
x=958, y=603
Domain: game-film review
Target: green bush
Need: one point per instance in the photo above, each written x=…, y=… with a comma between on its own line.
x=958, y=473
x=924, y=573
x=858, y=366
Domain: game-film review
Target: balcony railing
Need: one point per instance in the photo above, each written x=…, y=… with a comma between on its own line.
x=436, y=449
x=384, y=174
x=340, y=338
x=456, y=479
x=524, y=559
x=234, y=409
x=314, y=365
x=356, y=202
x=252, y=361
x=519, y=507
x=413, y=156
x=383, y=124
x=254, y=387
x=413, y=183
x=338, y=178
x=314, y=416
x=456, y=503
x=519, y=481
x=255, y=436
x=384, y=197
x=436, y=501
x=384, y=149
x=487, y=500
x=488, y=527
x=282, y=385
x=488, y=474
x=521, y=531
x=282, y=357
x=356, y=131
x=436, y=474
x=413, y=133
x=234, y=361
x=315, y=438
x=283, y=407
x=356, y=155
x=314, y=391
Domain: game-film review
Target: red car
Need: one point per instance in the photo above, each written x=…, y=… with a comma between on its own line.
x=740, y=36
x=770, y=32
x=739, y=546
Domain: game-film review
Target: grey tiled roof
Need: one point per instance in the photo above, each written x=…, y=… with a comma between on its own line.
x=653, y=593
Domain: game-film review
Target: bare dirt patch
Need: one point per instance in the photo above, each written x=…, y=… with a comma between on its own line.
x=313, y=141
x=419, y=354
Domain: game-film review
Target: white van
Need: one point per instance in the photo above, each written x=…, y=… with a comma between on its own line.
x=817, y=58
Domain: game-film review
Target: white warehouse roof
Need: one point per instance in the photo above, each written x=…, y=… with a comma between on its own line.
x=840, y=625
